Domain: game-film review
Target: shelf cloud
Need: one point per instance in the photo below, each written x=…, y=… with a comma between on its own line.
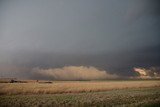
x=74, y=73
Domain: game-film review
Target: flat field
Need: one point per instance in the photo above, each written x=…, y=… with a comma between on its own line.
x=81, y=94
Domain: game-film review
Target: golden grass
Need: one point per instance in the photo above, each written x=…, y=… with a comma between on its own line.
x=72, y=86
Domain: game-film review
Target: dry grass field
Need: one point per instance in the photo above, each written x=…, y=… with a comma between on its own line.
x=81, y=94
x=139, y=97
x=71, y=86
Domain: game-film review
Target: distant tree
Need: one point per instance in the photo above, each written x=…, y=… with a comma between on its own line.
x=12, y=81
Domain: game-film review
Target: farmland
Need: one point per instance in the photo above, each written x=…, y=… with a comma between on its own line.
x=80, y=93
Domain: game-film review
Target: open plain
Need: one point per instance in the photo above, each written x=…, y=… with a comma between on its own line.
x=80, y=93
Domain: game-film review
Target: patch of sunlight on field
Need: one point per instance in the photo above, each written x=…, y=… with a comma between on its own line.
x=72, y=86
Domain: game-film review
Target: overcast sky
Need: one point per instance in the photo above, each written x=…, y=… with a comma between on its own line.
x=114, y=35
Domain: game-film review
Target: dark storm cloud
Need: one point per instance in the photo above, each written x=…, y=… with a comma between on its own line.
x=110, y=35
x=143, y=8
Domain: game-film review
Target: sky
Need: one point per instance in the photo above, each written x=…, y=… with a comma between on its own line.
x=38, y=37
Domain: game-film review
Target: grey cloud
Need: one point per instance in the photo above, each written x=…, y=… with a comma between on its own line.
x=110, y=35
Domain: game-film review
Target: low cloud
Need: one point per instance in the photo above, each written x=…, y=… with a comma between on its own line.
x=74, y=73
x=144, y=73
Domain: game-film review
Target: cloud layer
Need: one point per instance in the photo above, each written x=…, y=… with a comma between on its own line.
x=74, y=73
x=52, y=34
